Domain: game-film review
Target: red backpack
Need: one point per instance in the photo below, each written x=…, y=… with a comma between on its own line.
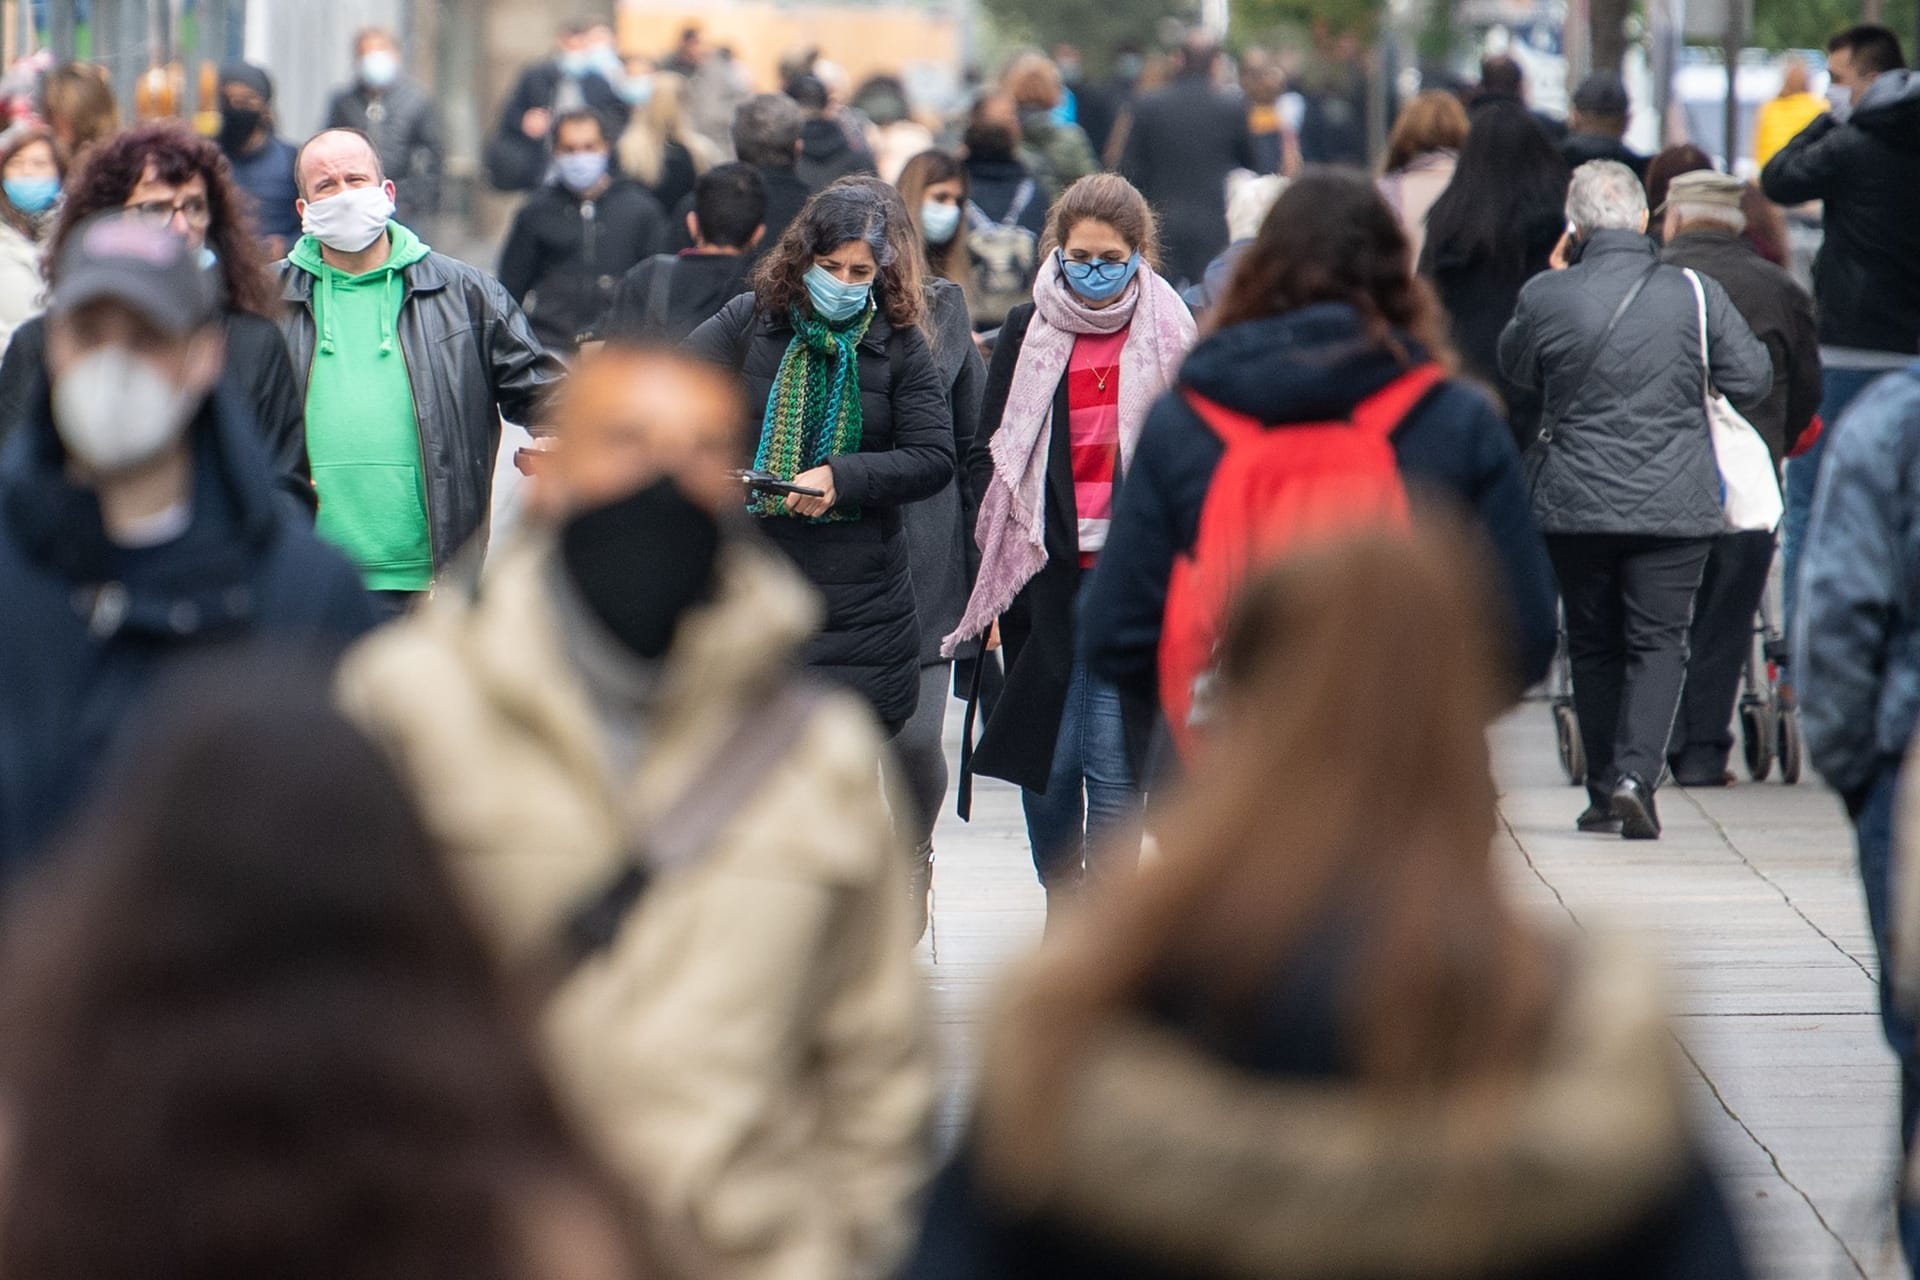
x=1274, y=490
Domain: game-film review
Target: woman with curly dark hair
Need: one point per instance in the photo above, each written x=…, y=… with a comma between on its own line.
x=177, y=179
x=1324, y=322
x=853, y=413
x=246, y=1021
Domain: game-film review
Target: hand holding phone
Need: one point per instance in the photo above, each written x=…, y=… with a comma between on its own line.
x=767, y=482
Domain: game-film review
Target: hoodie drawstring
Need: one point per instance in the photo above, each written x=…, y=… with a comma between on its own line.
x=387, y=309
x=326, y=313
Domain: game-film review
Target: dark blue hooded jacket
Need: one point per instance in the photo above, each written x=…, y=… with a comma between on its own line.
x=89, y=627
x=1310, y=365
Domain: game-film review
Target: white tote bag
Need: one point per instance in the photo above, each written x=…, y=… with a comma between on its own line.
x=1749, y=485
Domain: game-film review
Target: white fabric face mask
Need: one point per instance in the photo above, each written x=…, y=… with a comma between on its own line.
x=350, y=221
x=114, y=410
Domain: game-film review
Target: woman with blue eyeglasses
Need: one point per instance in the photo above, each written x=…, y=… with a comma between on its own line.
x=1073, y=376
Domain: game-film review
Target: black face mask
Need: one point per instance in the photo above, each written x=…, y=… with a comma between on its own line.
x=642, y=561
x=237, y=126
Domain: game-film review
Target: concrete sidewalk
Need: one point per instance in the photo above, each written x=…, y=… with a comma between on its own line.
x=1751, y=897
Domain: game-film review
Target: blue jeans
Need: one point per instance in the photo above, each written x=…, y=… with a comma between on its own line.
x=1091, y=805
x=1841, y=387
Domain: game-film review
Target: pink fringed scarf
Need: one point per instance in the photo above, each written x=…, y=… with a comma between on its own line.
x=1011, y=523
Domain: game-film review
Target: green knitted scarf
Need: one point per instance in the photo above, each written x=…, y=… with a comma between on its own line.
x=813, y=411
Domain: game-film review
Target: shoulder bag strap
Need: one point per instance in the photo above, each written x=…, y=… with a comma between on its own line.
x=682, y=835
x=1700, y=309
x=1600, y=345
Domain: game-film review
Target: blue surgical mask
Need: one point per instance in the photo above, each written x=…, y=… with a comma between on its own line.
x=575, y=64
x=32, y=195
x=1098, y=281
x=581, y=171
x=939, y=221
x=637, y=90
x=833, y=299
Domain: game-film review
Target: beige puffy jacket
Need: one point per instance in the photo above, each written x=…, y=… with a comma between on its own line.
x=751, y=1054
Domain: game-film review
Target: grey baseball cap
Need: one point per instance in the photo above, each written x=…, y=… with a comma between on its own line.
x=122, y=258
x=1704, y=186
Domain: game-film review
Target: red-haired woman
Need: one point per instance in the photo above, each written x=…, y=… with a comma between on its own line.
x=179, y=180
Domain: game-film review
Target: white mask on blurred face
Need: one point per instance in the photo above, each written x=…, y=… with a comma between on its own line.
x=350, y=221
x=115, y=411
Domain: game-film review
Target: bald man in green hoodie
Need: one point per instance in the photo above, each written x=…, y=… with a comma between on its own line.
x=410, y=359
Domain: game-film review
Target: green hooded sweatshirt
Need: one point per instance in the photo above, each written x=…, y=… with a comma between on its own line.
x=363, y=438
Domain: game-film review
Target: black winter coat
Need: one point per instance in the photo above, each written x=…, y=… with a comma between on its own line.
x=1480, y=296
x=565, y=256
x=1867, y=277
x=871, y=640
x=696, y=286
x=472, y=359
x=1584, y=148
x=89, y=628
x=1183, y=143
x=940, y=529
x=1312, y=365
x=1779, y=312
x=258, y=373
x=1630, y=451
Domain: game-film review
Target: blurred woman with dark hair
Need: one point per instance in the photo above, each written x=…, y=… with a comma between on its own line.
x=246, y=1029
x=1492, y=230
x=1669, y=164
x=1319, y=1040
x=177, y=179
x=852, y=408
x=1324, y=322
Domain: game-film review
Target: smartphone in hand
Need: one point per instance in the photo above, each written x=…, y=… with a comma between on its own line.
x=767, y=482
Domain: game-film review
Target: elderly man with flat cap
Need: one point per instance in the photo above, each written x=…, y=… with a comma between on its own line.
x=1703, y=232
x=139, y=524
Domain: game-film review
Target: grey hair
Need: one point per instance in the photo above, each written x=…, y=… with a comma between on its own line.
x=1606, y=196
x=843, y=213
x=1712, y=215
x=766, y=129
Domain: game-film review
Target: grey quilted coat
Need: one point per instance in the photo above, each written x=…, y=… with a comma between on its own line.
x=1627, y=452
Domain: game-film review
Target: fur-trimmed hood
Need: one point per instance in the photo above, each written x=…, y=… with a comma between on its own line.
x=1167, y=1152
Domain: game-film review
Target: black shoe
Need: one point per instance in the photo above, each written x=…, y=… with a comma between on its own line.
x=1633, y=805
x=1599, y=817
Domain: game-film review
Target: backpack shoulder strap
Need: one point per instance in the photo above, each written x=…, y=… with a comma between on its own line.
x=1382, y=412
x=1232, y=426
x=1022, y=197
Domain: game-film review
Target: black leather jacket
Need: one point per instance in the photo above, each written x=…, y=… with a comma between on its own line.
x=473, y=360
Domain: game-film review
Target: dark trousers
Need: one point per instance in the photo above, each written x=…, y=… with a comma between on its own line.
x=1718, y=646
x=1629, y=602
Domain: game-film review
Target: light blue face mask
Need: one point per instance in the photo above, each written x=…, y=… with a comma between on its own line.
x=575, y=64
x=208, y=259
x=581, y=171
x=32, y=195
x=1098, y=281
x=940, y=222
x=637, y=90
x=833, y=299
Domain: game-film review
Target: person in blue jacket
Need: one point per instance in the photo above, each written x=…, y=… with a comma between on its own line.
x=139, y=524
x=1323, y=312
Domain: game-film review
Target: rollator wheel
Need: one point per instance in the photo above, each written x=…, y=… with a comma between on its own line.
x=1791, y=750
x=1757, y=735
x=1573, y=756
